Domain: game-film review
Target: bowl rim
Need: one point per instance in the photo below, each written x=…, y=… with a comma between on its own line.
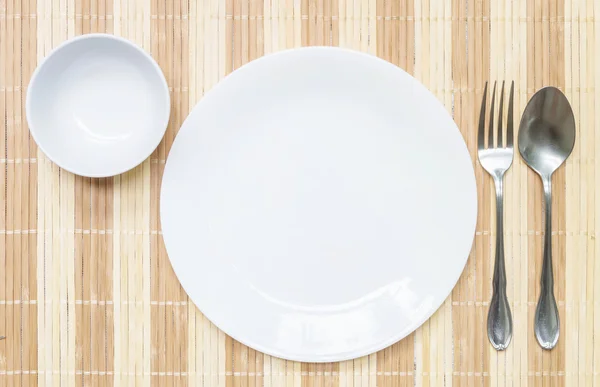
x=55, y=51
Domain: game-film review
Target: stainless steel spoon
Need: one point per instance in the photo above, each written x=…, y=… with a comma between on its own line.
x=546, y=139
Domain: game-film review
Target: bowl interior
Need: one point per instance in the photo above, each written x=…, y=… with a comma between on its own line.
x=98, y=106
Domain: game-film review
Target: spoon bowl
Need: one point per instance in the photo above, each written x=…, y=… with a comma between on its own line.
x=546, y=139
x=547, y=131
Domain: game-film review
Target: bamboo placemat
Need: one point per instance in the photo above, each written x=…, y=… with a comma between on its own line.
x=87, y=294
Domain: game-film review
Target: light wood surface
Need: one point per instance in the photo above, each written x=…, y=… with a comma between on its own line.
x=87, y=294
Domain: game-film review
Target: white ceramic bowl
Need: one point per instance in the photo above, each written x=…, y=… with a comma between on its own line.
x=98, y=105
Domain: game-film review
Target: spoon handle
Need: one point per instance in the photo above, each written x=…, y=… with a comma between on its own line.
x=547, y=324
x=499, y=324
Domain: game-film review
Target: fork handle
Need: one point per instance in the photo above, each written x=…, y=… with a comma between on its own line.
x=499, y=317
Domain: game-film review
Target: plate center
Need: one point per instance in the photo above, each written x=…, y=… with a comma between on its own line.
x=306, y=200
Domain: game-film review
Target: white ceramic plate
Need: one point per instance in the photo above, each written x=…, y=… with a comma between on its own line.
x=318, y=204
x=98, y=105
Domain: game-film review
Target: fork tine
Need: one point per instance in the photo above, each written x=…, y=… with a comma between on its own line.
x=481, y=130
x=500, y=108
x=491, y=128
x=509, y=118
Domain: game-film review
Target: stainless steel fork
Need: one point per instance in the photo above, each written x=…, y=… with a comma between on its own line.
x=496, y=158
